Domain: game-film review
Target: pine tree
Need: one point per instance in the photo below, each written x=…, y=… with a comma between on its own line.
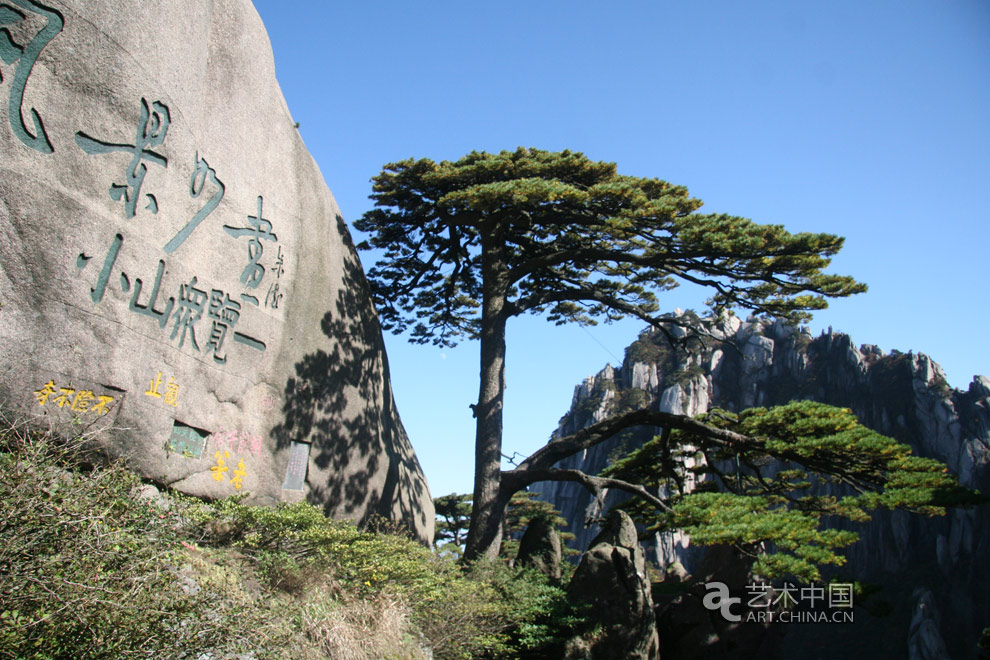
x=472, y=243
x=524, y=507
x=454, y=514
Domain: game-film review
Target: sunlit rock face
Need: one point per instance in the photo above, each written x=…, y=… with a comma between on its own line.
x=903, y=395
x=175, y=271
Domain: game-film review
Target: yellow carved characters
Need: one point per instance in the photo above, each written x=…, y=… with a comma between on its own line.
x=171, y=395
x=219, y=470
x=76, y=400
x=239, y=475
x=241, y=442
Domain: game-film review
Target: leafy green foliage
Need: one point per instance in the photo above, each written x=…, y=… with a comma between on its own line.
x=542, y=619
x=771, y=491
x=86, y=571
x=363, y=564
x=748, y=521
x=645, y=350
x=632, y=398
x=483, y=611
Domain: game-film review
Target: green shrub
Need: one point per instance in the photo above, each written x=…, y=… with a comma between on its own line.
x=88, y=569
x=632, y=398
x=458, y=617
x=88, y=572
x=540, y=618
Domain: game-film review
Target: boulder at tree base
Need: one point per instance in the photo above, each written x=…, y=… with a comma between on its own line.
x=175, y=273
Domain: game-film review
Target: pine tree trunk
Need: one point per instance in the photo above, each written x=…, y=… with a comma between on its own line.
x=488, y=510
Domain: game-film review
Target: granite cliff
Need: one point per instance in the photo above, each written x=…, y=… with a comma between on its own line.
x=934, y=570
x=175, y=275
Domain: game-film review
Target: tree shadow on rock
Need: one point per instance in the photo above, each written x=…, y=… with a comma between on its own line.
x=340, y=401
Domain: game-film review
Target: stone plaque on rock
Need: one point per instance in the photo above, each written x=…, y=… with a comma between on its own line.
x=295, y=471
x=173, y=269
x=187, y=440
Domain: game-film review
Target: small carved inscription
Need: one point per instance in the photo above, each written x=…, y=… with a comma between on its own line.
x=170, y=397
x=187, y=440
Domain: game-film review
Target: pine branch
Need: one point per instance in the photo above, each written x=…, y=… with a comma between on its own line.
x=595, y=434
x=518, y=479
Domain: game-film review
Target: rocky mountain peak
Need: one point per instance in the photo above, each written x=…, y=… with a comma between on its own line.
x=736, y=364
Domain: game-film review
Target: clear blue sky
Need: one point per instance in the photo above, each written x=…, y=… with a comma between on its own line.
x=866, y=119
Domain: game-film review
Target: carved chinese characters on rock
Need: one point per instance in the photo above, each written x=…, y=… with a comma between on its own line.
x=179, y=311
x=70, y=398
x=147, y=261
x=201, y=175
x=186, y=440
x=223, y=313
x=151, y=132
x=295, y=470
x=167, y=392
x=239, y=444
x=183, y=311
x=221, y=468
x=259, y=229
x=26, y=27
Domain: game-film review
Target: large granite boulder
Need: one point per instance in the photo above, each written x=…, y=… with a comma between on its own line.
x=539, y=548
x=174, y=272
x=612, y=578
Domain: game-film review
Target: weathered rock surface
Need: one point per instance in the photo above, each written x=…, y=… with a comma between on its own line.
x=612, y=578
x=690, y=631
x=175, y=271
x=903, y=395
x=539, y=548
x=924, y=640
